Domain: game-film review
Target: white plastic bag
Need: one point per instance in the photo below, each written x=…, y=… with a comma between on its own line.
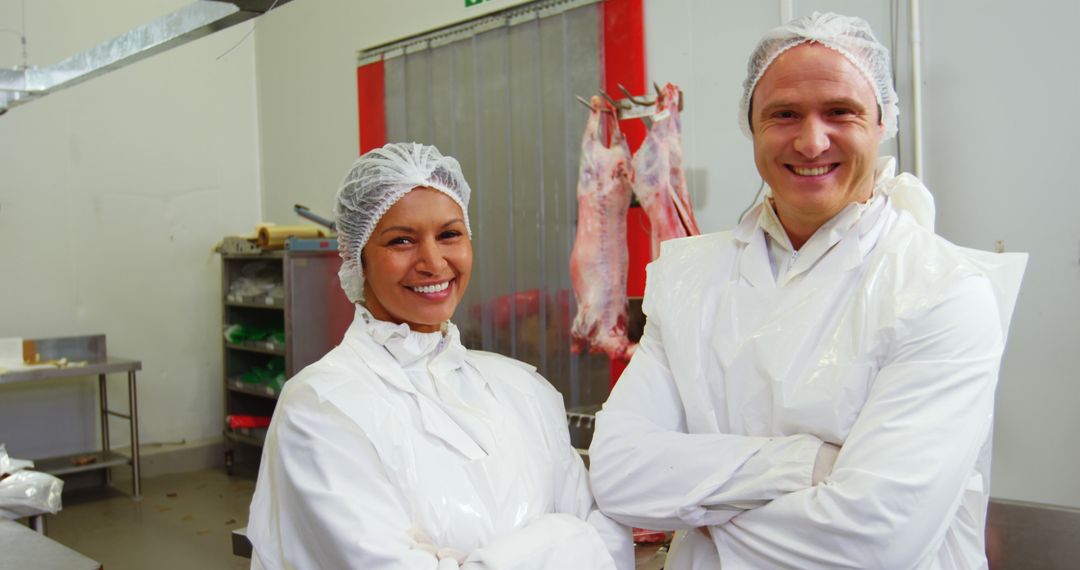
x=10, y=464
x=25, y=493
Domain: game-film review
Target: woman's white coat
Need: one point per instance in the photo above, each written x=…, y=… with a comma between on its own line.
x=366, y=467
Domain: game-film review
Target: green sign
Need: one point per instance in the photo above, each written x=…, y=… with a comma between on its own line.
x=471, y=3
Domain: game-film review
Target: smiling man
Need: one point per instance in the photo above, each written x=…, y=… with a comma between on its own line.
x=814, y=389
x=816, y=133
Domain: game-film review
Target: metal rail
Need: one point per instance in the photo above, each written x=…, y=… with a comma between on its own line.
x=22, y=85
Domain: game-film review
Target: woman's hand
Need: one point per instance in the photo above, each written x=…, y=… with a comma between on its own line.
x=421, y=541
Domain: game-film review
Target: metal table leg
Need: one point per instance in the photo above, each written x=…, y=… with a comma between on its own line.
x=103, y=388
x=37, y=522
x=136, y=474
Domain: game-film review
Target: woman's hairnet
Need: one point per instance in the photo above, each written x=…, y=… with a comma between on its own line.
x=849, y=36
x=376, y=181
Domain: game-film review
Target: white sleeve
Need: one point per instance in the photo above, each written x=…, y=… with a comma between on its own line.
x=576, y=534
x=554, y=541
x=323, y=499
x=901, y=474
x=648, y=472
x=572, y=493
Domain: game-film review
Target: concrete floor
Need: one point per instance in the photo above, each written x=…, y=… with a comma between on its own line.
x=183, y=521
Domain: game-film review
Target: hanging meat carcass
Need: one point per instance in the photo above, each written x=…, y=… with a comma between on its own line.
x=598, y=262
x=659, y=182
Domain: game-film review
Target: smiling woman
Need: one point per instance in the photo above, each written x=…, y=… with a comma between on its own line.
x=401, y=448
x=418, y=259
x=376, y=204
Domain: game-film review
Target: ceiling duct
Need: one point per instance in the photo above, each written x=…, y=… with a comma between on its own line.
x=19, y=86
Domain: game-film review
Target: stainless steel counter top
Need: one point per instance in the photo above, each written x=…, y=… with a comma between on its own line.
x=23, y=548
x=109, y=365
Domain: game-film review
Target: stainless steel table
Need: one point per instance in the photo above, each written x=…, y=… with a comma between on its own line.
x=92, y=350
x=23, y=548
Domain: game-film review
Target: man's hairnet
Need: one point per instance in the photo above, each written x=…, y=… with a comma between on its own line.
x=376, y=181
x=849, y=36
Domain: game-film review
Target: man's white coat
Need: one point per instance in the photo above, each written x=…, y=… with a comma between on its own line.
x=887, y=345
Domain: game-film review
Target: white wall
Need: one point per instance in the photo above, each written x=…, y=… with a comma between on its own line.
x=112, y=194
x=1001, y=155
x=306, y=58
x=1000, y=146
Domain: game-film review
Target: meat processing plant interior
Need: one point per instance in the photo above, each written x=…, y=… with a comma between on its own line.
x=538, y=285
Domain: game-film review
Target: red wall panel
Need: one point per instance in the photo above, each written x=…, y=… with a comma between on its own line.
x=370, y=92
x=624, y=64
x=624, y=57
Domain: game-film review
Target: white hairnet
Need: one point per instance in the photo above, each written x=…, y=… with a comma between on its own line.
x=376, y=181
x=849, y=36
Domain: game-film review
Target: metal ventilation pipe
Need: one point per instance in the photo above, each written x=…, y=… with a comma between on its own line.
x=20, y=86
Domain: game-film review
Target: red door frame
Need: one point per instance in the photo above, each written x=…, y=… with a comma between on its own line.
x=624, y=64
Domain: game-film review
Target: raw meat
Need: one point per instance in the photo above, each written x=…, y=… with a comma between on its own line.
x=659, y=182
x=598, y=262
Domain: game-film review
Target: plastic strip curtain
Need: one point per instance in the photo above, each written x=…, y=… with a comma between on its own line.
x=502, y=102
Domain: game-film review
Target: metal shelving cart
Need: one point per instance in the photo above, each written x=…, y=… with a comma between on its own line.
x=292, y=297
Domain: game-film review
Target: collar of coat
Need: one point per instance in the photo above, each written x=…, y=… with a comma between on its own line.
x=500, y=374
x=847, y=238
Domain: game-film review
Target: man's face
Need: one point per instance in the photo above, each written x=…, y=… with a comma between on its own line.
x=816, y=132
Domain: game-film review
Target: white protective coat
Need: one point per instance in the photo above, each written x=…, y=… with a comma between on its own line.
x=370, y=468
x=888, y=345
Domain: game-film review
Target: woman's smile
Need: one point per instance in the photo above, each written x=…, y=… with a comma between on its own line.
x=435, y=291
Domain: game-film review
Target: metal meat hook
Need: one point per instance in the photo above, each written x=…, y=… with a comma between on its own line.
x=634, y=100
x=589, y=105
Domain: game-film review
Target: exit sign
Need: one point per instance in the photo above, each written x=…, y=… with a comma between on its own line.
x=471, y=3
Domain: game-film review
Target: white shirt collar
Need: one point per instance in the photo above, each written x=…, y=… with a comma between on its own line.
x=408, y=346
x=786, y=263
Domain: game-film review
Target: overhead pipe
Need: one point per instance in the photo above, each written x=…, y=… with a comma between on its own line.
x=787, y=11
x=22, y=85
x=916, y=88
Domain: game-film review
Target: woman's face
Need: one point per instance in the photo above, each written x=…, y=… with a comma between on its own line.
x=418, y=261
